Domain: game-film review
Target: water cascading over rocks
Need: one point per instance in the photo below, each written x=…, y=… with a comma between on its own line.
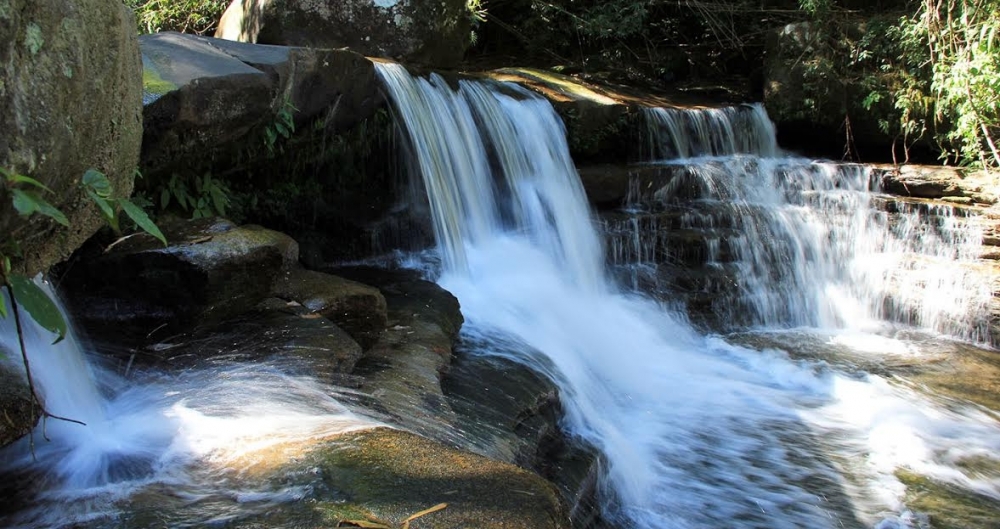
x=766, y=239
x=695, y=431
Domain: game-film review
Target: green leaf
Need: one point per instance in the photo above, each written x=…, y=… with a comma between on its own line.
x=41, y=307
x=107, y=210
x=219, y=200
x=141, y=219
x=164, y=199
x=3, y=307
x=28, y=202
x=15, y=178
x=98, y=182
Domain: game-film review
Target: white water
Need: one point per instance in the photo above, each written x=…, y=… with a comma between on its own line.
x=809, y=246
x=189, y=430
x=687, y=133
x=696, y=432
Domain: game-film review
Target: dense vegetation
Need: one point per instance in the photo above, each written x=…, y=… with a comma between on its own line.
x=923, y=72
x=187, y=16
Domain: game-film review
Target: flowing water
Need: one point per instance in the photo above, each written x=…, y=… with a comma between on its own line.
x=189, y=431
x=793, y=418
x=696, y=430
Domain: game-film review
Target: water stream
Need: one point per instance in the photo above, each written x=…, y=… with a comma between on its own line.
x=697, y=431
x=784, y=412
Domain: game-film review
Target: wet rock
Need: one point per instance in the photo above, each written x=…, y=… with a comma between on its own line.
x=357, y=308
x=403, y=369
x=211, y=271
x=70, y=100
x=381, y=476
x=511, y=413
x=298, y=339
x=429, y=32
x=394, y=474
x=16, y=415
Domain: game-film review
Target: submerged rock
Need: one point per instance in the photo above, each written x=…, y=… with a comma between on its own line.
x=70, y=100
x=430, y=32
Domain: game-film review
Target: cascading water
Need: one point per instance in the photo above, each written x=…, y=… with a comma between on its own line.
x=683, y=133
x=183, y=430
x=809, y=244
x=696, y=432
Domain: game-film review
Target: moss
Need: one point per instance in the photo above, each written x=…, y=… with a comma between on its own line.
x=948, y=506
x=33, y=39
x=154, y=84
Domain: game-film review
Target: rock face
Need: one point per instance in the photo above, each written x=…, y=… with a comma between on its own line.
x=70, y=100
x=429, y=32
x=211, y=271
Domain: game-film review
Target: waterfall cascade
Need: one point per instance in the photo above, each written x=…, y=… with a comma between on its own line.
x=695, y=431
x=787, y=242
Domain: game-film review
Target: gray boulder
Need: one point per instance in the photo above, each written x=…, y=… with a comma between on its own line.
x=70, y=100
x=429, y=32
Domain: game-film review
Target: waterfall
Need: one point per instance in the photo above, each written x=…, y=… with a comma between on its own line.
x=687, y=133
x=795, y=242
x=695, y=431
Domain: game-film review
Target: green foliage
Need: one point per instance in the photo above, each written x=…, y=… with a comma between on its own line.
x=24, y=192
x=41, y=307
x=186, y=16
x=207, y=197
x=282, y=126
x=934, y=75
x=99, y=189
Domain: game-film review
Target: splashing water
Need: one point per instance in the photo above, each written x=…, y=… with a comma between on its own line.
x=188, y=430
x=696, y=432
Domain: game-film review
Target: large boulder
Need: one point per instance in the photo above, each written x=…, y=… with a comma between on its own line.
x=70, y=100
x=429, y=32
x=212, y=270
x=211, y=99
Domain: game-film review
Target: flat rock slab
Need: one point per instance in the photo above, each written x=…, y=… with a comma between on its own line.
x=384, y=476
x=357, y=308
x=948, y=183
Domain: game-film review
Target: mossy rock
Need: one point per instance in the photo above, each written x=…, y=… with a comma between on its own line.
x=70, y=100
